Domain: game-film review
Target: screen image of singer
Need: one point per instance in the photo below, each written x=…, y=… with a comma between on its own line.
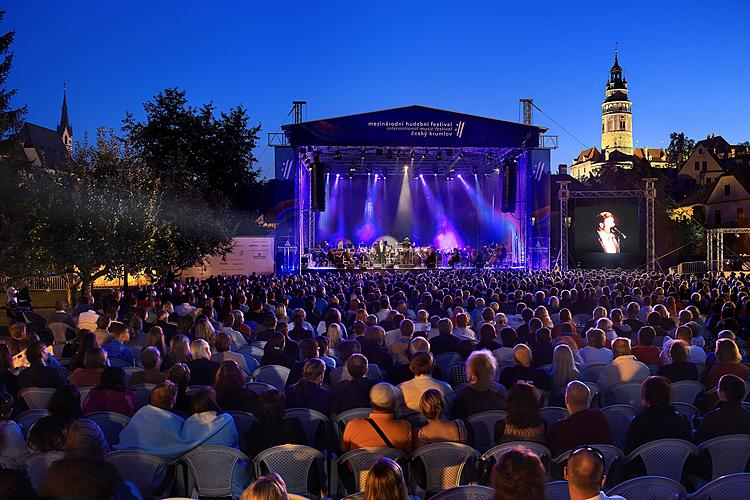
x=607, y=233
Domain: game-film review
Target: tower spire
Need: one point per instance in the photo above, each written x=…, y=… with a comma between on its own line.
x=64, y=128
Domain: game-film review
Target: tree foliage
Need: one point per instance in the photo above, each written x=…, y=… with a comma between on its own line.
x=11, y=119
x=679, y=149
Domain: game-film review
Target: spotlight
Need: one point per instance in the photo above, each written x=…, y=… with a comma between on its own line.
x=406, y=167
x=489, y=155
x=338, y=154
x=460, y=154
x=475, y=170
x=338, y=175
x=497, y=170
x=435, y=169
x=424, y=154
x=421, y=176
x=411, y=155
x=352, y=169
x=362, y=155
x=439, y=156
x=368, y=169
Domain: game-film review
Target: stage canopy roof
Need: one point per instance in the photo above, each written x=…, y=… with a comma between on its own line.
x=413, y=126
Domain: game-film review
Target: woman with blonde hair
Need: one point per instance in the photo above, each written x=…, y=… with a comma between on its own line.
x=563, y=371
x=729, y=363
x=281, y=316
x=179, y=352
x=542, y=313
x=270, y=487
x=438, y=429
x=334, y=335
x=156, y=338
x=205, y=330
x=361, y=314
x=385, y=479
x=482, y=393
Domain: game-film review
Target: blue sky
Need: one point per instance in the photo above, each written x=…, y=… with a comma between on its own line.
x=686, y=62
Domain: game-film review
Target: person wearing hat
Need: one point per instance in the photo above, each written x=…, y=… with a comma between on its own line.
x=381, y=429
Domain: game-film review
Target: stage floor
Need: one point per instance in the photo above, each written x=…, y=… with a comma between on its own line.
x=407, y=269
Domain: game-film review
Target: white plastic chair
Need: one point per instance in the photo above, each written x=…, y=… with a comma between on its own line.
x=469, y=492
x=274, y=375
x=29, y=418
x=343, y=418
x=445, y=361
x=293, y=463
x=59, y=332
x=625, y=393
x=590, y=373
x=213, y=468
x=84, y=391
x=730, y=487
x=110, y=423
x=311, y=420
x=150, y=474
x=649, y=488
x=541, y=451
x=609, y=452
x=557, y=490
x=38, y=464
x=243, y=421
x=664, y=457
x=594, y=391
x=443, y=463
x=361, y=459
x=129, y=371
x=552, y=414
x=729, y=454
x=686, y=391
x=690, y=411
x=619, y=418
x=483, y=427
x=36, y=398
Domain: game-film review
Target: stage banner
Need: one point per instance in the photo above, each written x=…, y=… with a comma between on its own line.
x=286, y=211
x=539, y=206
x=413, y=126
x=250, y=254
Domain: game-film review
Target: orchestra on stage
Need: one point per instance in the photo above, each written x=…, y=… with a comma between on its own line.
x=405, y=255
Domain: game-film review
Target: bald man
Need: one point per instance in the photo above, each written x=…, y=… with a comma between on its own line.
x=583, y=426
x=624, y=368
x=585, y=476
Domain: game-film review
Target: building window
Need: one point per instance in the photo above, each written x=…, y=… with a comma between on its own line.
x=717, y=218
x=726, y=189
x=740, y=213
x=622, y=124
x=704, y=165
x=708, y=180
x=697, y=166
x=700, y=151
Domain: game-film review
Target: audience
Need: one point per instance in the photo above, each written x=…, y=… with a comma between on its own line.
x=381, y=428
x=482, y=393
x=269, y=487
x=728, y=417
x=38, y=373
x=519, y=474
x=437, y=429
x=310, y=392
x=523, y=422
x=111, y=394
x=231, y=392
x=150, y=360
x=421, y=365
x=583, y=425
x=12, y=442
x=272, y=429
x=624, y=368
x=524, y=371
x=354, y=393
x=679, y=369
x=385, y=479
x=94, y=363
x=585, y=475
x=202, y=369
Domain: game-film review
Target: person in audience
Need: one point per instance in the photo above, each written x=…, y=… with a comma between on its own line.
x=462, y=330
x=728, y=416
x=563, y=370
x=274, y=352
x=583, y=425
x=223, y=343
x=385, y=479
x=179, y=374
x=381, y=429
x=272, y=429
x=488, y=338
x=646, y=352
x=207, y=425
x=523, y=422
x=310, y=392
x=102, y=332
x=65, y=430
x=584, y=472
x=519, y=474
x=324, y=352
x=12, y=442
x=438, y=429
x=60, y=315
x=373, y=349
x=15, y=483
x=523, y=370
x=39, y=374
x=202, y=369
x=445, y=341
x=150, y=360
x=729, y=362
x=86, y=478
x=659, y=420
x=94, y=363
x=232, y=327
x=679, y=369
x=542, y=350
x=8, y=379
x=117, y=346
x=504, y=354
x=421, y=365
x=695, y=354
x=354, y=393
x=268, y=487
x=111, y=394
x=231, y=392
x=179, y=352
x=595, y=353
x=155, y=338
x=76, y=350
x=624, y=368
x=482, y=393
x=399, y=349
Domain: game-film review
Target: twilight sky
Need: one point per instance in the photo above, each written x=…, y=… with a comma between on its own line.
x=687, y=63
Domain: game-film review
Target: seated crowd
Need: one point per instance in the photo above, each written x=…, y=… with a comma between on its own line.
x=423, y=351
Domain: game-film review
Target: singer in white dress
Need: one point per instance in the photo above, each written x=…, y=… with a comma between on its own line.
x=608, y=238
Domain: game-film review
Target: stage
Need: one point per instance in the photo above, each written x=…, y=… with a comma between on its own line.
x=439, y=180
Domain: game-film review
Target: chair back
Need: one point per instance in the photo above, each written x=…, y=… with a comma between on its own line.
x=110, y=423
x=648, y=488
x=483, y=427
x=360, y=460
x=36, y=398
x=243, y=421
x=28, y=418
x=38, y=464
x=445, y=362
x=192, y=390
x=311, y=420
x=84, y=393
x=686, y=391
x=469, y=492
x=259, y=387
x=253, y=351
x=551, y=414
x=594, y=391
x=119, y=363
x=728, y=487
x=60, y=332
x=610, y=453
x=274, y=375
x=619, y=418
x=143, y=393
x=729, y=454
x=293, y=463
x=129, y=371
x=150, y=474
x=624, y=393
x=542, y=451
x=443, y=463
x=690, y=411
x=664, y=457
x=590, y=373
x=557, y=490
x=343, y=418
x=213, y=468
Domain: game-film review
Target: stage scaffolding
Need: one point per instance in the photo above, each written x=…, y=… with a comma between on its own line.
x=715, y=245
x=648, y=193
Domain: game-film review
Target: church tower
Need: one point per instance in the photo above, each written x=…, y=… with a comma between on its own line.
x=64, y=129
x=617, y=117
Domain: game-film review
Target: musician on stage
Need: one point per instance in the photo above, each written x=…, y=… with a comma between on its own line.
x=455, y=258
x=431, y=260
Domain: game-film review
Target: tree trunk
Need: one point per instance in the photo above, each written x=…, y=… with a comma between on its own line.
x=125, y=279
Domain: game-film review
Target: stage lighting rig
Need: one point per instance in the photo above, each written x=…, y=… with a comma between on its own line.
x=439, y=156
x=362, y=154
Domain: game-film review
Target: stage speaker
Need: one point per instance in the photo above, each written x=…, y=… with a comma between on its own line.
x=510, y=184
x=318, y=187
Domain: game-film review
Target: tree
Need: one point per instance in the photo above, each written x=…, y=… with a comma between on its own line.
x=679, y=149
x=11, y=119
x=744, y=143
